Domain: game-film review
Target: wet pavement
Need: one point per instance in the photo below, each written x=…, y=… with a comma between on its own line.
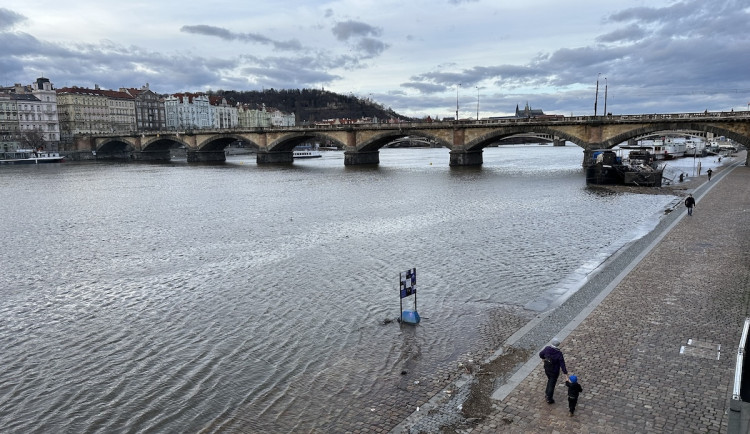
x=652, y=336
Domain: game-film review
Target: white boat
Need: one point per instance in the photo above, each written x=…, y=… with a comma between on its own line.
x=307, y=154
x=654, y=147
x=673, y=149
x=695, y=148
x=30, y=156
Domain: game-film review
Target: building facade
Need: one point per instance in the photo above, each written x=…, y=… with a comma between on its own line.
x=185, y=111
x=281, y=119
x=9, y=139
x=28, y=116
x=248, y=117
x=149, y=109
x=223, y=115
x=50, y=123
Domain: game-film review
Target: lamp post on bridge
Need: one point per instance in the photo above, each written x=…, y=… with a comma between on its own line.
x=596, y=97
x=477, y=103
x=605, y=96
x=457, y=86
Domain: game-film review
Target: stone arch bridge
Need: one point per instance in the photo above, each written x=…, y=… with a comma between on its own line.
x=465, y=139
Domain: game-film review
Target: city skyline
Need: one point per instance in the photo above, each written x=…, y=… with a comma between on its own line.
x=420, y=59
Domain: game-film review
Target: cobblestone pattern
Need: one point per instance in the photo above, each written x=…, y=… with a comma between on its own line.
x=691, y=293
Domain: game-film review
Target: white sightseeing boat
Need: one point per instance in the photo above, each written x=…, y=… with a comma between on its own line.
x=307, y=154
x=30, y=156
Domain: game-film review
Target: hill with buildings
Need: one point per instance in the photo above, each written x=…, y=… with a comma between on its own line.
x=312, y=105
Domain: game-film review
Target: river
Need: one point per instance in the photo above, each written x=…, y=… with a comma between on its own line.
x=242, y=298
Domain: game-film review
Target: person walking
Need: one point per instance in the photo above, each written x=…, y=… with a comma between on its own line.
x=574, y=389
x=690, y=203
x=709, y=172
x=553, y=363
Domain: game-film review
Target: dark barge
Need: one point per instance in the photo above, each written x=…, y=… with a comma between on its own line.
x=607, y=168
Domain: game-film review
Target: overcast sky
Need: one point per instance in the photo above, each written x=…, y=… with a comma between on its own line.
x=417, y=57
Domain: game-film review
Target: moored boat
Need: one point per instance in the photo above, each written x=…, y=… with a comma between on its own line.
x=30, y=156
x=307, y=154
x=654, y=147
x=695, y=148
x=607, y=168
x=674, y=149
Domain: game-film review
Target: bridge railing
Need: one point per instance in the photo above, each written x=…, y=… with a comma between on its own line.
x=544, y=120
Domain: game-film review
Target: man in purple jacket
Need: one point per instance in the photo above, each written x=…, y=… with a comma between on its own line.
x=553, y=362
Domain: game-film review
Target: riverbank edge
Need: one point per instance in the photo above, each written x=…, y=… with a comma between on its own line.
x=472, y=399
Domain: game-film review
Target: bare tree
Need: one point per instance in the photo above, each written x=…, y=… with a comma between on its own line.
x=33, y=139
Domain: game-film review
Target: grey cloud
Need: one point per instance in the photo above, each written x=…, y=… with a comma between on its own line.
x=628, y=34
x=346, y=30
x=371, y=47
x=8, y=19
x=424, y=88
x=202, y=29
x=504, y=75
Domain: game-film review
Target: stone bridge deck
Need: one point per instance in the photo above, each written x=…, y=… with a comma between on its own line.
x=465, y=139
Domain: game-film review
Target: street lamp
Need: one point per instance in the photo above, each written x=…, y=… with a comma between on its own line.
x=457, y=86
x=605, y=96
x=477, y=103
x=596, y=99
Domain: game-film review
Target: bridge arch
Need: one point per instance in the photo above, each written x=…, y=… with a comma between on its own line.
x=374, y=143
x=114, y=146
x=646, y=130
x=157, y=144
x=288, y=142
x=218, y=142
x=487, y=139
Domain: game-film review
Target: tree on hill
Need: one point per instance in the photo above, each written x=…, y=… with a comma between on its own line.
x=313, y=105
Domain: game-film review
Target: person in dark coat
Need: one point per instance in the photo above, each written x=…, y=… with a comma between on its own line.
x=709, y=172
x=690, y=203
x=574, y=389
x=553, y=363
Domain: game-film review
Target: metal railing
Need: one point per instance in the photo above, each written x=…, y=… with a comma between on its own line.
x=736, y=390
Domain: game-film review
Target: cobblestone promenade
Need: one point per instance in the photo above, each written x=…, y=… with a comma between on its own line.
x=657, y=354
x=652, y=336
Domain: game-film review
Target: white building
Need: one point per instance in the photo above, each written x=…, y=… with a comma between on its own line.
x=50, y=124
x=24, y=109
x=223, y=115
x=187, y=111
x=280, y=119
x=253, y=118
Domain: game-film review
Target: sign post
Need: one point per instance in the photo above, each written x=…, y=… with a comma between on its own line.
x=407, y=288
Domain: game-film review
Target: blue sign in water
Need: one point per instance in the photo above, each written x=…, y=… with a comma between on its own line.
x=408, y=282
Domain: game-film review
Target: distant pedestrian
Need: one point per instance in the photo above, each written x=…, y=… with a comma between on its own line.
x=574, y=389
x=709, y=172
x=553, y=363
x=690, y=203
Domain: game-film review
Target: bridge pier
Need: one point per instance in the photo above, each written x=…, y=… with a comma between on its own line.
x=354, y=158
x=558, y=142
x=466, y=158
x=205, y=156
x=274, y=157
